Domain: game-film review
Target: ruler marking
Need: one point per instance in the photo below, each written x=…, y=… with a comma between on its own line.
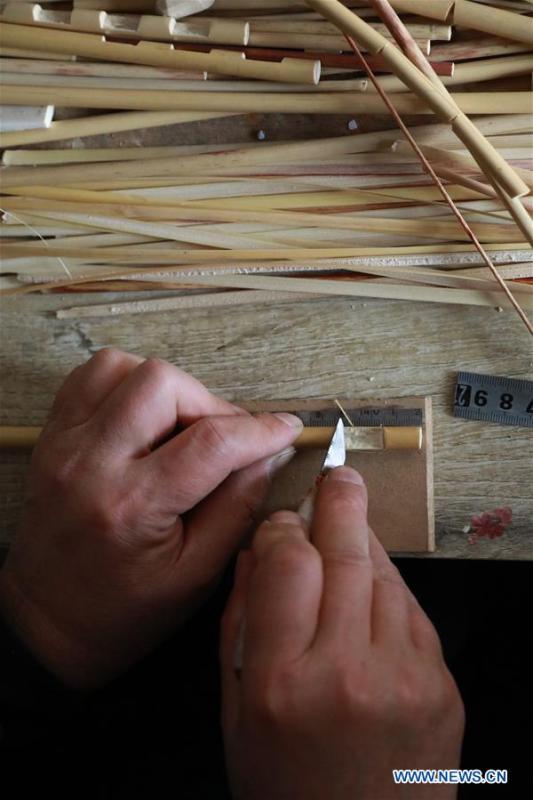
x=494, y=398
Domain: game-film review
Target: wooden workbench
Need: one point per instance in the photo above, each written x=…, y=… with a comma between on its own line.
x=320, y=348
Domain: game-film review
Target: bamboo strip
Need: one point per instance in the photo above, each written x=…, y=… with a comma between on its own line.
x=206, y=300
x=222, y=201
x=147, y=53
x=507, y=271
x=105, y=123
x=514, y=205
x=456, y=160
x=441, y=103
x=293, y=103
x=18, y=158
x=361, y=289
x=445, y=231
x=216, y=258
x=245, y=157
x=461, y=122
x=452, y=260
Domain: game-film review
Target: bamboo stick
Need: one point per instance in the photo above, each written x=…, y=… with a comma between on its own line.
x=469, y=15
x=486, y=47
x=15, y=52
x=131, y=26
x=116, y=5
x=26, y=66
x=162, y=85
x=418, y=30
x=182, y=8
x=338, y=60
x=403, y=38
x=147, y=53
x=331, y=103
x=32, y=62
x=214, y=30
x=105, y=123
x=441, y=103
x=492, y=20
x=470, y=72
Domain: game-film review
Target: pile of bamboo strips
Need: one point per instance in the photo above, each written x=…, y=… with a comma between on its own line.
x=205, y=225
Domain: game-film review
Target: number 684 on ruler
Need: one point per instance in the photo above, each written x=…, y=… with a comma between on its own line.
x=492, y=398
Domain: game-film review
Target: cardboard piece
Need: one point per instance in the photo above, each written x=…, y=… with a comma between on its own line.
x=399, y=482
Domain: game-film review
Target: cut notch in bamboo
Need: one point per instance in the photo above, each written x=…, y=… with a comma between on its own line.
x=149, y=53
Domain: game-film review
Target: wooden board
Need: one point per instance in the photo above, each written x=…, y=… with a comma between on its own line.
x=400, y=482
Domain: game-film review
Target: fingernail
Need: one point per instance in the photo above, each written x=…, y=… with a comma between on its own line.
x=280, y=459
x=290, y=419
x=346, y=474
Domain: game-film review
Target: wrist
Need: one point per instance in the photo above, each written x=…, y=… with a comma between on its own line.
x=52, y=648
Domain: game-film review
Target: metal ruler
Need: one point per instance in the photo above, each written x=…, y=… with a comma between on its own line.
x=492, y=398
x=364, y=416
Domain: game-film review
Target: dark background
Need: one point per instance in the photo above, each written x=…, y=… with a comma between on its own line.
x=155, y=732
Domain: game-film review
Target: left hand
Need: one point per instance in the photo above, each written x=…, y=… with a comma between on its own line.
x=126, y=530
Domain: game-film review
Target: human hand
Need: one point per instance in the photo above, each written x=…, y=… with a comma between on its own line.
x=121, y=538
x=342, y=677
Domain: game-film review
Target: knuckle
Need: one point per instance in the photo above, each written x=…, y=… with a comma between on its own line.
x=158, y=370
x=108, y=356
x=350, y=691
x=347, y=558
x=286, y=517
x=276, y=698
x=288, y=556
x=347, y=497
x=211, y=438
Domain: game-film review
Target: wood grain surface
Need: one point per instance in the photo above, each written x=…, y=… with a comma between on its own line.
x=317, y=348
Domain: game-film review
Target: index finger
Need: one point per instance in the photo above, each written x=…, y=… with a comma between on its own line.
x=283, y=596
x=340, y=533
x=149, y=404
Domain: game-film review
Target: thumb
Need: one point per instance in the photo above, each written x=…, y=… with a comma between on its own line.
x=216, y=526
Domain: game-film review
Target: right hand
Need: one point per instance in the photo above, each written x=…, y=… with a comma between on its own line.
x=343, y=678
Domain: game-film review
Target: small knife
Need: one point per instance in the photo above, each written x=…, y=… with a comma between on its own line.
x=335, y=457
